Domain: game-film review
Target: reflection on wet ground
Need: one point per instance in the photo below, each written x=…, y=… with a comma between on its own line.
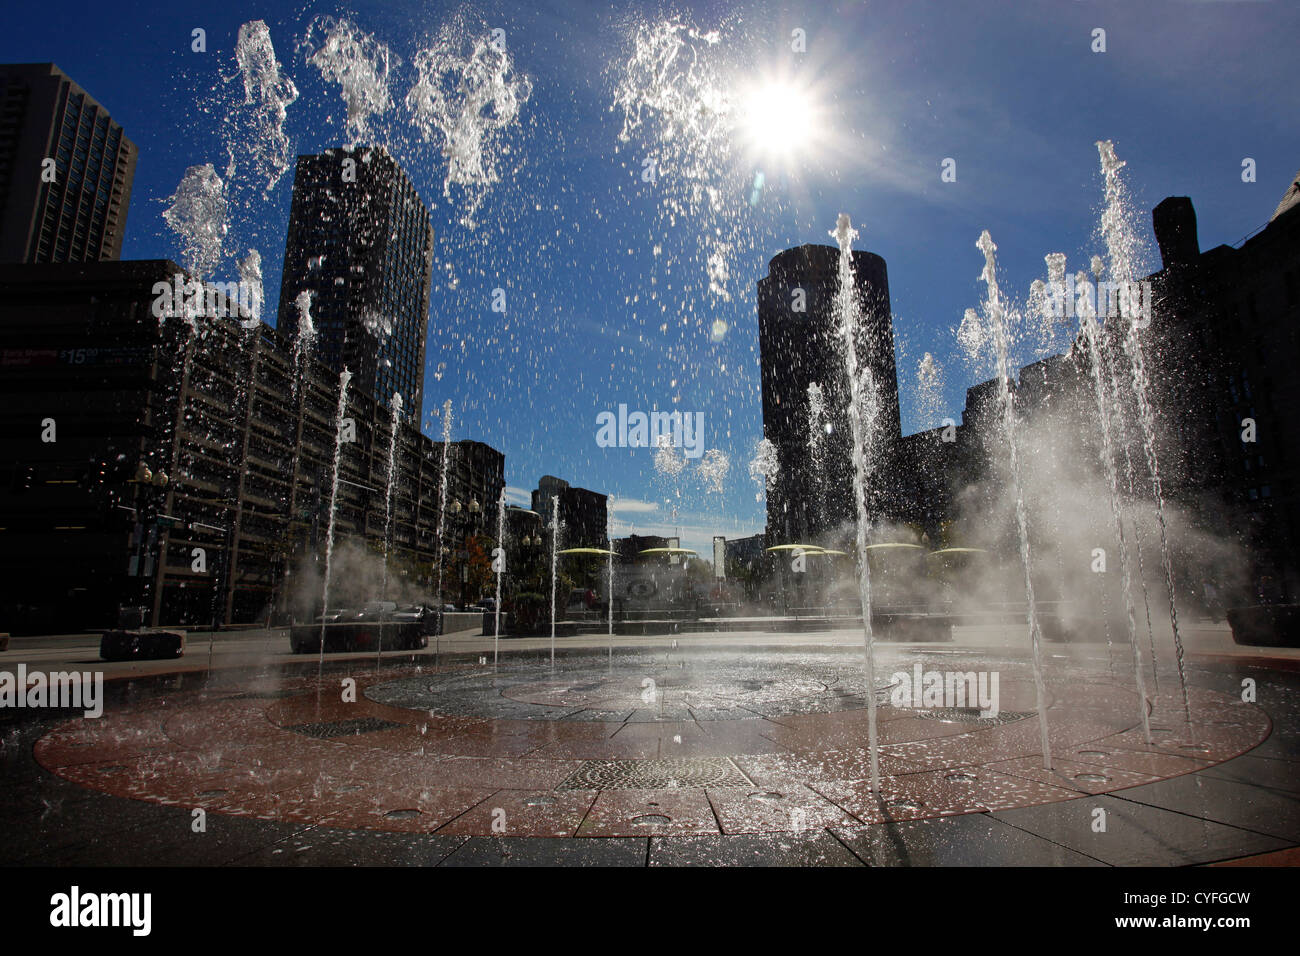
x=660, y=755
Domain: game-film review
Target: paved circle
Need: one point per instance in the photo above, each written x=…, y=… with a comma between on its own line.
x=668, y=744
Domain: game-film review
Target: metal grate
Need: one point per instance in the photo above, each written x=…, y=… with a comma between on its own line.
x=971, y=715
x=661, y=774
x=343, y=728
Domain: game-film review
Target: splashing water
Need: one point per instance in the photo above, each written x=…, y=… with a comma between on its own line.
x=672, y=81
x=670, y=465
x=197, y=214
x=257, y=124
x=251, y=294
x=1102, y=395
x=347, y=55
x=817, y=432
x=467, y=97
x=863, y=403
x=1124, y=252
x=764, y=467
x=972, y=336
x=668, y=462
x=719, y=272
x=609, y=562
x=673, y=89
x=303, y=341
x=997, y=333
x=555, y=557
x=713, y=469
x=1130, y=478
x=442, y=501
x=344, y=377
x=929, y=389
x=1048, y=321
x=500, y=561
x=377, y=323
x=395, y=423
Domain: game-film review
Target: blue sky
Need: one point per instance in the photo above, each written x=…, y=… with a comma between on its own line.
x=608, y=297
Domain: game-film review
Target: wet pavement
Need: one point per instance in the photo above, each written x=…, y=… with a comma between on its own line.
x=654, y=755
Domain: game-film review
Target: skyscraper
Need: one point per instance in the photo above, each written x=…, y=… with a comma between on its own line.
x=801, y=345
x=361, y=244
x=73, y=209
x=583, y=513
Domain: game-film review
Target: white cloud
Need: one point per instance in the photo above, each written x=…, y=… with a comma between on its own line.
x=633, y=505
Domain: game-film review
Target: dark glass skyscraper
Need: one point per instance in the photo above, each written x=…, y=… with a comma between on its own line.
x=801, y=345
x=361, y=243
x=73, y=210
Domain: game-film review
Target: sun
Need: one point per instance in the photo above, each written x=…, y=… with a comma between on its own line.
x=778, y=119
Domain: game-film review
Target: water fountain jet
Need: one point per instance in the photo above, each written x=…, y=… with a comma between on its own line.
x=344, y=377
x=388, y=512
x=844, y=234
x=996, y=315
x=1122, y=248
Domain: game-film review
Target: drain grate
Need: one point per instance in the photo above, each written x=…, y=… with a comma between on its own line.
x=662, y=774
x=971, y=715
x=343, y=728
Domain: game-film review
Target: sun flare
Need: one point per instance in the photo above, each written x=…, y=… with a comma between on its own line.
x=778, y=119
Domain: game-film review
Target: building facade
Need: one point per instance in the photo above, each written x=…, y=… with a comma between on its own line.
x=1219, y=354
x=189, y=470
x=583, y=513
x=66, y=170
x=360, y=244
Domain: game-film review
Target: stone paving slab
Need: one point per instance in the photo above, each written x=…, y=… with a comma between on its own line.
x=976, y=839
x=819, y=848
x=1259, y=771
x=526, y=851
x=325, y=846
x=1252, y=807
x=1136, y=834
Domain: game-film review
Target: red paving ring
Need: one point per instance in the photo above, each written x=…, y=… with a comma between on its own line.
x=417, y=772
